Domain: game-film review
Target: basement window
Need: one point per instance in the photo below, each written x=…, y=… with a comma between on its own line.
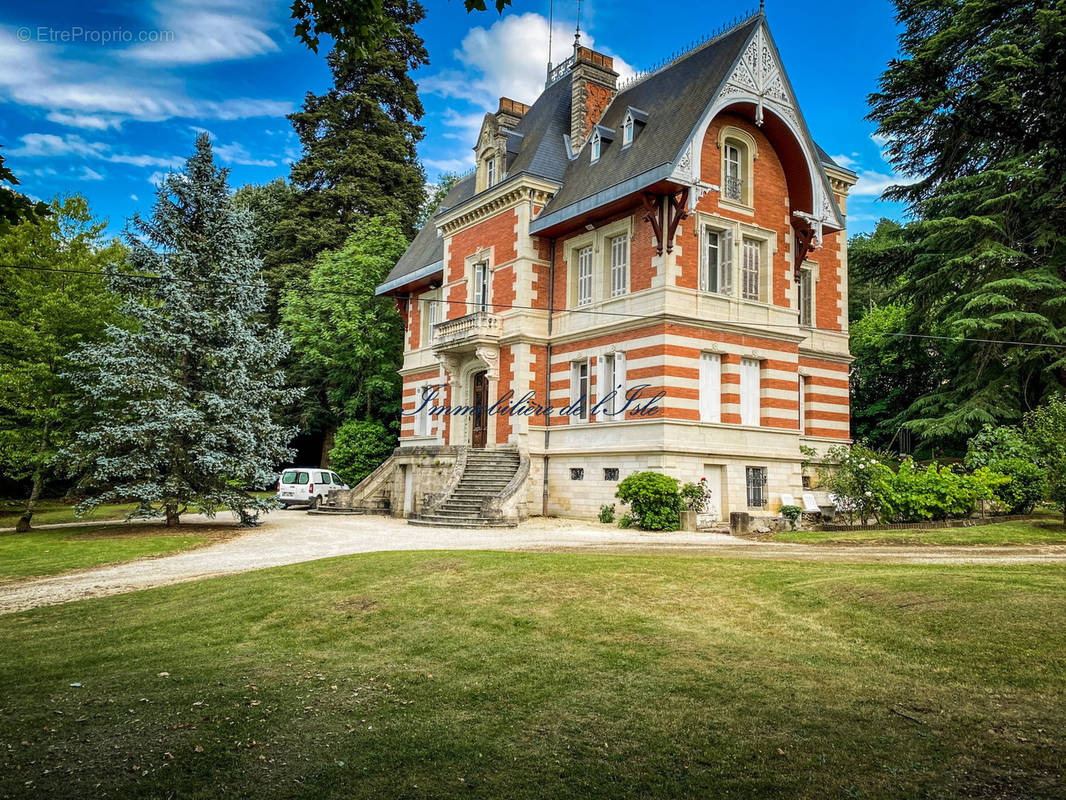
x=577, y=474
x=610, y=473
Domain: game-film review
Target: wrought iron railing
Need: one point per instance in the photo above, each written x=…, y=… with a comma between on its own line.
x=733, y=189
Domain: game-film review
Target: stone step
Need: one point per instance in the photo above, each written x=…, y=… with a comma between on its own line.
x=434, y=522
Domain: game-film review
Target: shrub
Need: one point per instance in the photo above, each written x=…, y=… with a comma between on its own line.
x=1045, y=431
x=792, y=514
x=1026, y=484
x=654, y=500
x=359, y=448
x=606, y=514
x=626, y=521
x=696, y=495
x=857, y=478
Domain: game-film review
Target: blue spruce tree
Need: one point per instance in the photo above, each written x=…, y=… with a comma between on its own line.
x=183, y=402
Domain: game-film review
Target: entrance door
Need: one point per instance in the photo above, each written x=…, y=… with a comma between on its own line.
x=481, y=414
x=713, y=474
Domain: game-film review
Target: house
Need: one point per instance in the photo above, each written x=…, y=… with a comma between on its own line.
x=681, y=233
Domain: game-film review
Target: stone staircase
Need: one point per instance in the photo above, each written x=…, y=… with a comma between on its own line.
x=485, y=477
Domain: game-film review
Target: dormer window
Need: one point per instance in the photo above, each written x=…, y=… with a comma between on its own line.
x=738, y=156
x=627, y=130
x=596, y=144
x=490, y=172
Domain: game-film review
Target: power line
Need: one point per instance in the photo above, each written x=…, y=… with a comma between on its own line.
x=494, y=306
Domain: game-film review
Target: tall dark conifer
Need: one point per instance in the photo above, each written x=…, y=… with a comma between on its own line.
x=359, y=140
x=973, y=108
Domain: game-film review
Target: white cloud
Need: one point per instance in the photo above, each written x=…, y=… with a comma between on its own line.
x=95, y=122
x=847, y=162
x=204, y=32
x=872, y=183
x=146, y=161
x=134, y=198
x=466, y=126
x=35, y=145
x=157, y=177
x=90, y=175
x=234, y=153
x=79, y=89
x=507, y=60
x=449, y=164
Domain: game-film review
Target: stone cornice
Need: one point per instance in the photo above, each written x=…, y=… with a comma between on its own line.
x=490, y=203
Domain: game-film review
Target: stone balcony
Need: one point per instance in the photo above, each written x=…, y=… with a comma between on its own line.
x=474, y=330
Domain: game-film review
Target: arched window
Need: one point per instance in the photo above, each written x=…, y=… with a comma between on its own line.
x=490, y=170
x=627, y=130
x=596, y=143
x=738, y=155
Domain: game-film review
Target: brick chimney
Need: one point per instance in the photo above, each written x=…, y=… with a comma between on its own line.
x=593, y=82
x=510, y=112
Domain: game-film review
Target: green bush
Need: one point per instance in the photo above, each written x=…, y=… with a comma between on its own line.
x=1025, y=487
x=626, y=521
x=856, y=477
x=792, y=514
x=606, y=514
x=359, y=448
x=696, y=495
x=1045, y=431
x=654, y=500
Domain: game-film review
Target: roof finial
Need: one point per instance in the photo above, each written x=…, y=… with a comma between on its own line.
x=762, y=6
x=577, y=31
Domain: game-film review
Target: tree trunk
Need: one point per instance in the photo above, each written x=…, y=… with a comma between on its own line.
x=327, y=445
x=173, y=516
x=23, y=525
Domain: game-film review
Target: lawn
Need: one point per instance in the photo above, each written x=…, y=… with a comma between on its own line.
x=51, y=511
x=521, y=675
x=24, y=555
x=1036, y=532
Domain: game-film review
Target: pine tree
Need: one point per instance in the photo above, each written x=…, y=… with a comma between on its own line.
x=182, y=403
x=973, y=109
x=359, y=143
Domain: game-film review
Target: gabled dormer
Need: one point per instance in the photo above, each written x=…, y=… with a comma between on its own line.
x=632, y=123
x=601, y=138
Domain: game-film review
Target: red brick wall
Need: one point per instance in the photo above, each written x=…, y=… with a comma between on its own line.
x=497, y=232
x=596, y=101
x=503, y=421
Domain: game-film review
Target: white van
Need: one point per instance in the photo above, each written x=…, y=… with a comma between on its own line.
x=306, y=486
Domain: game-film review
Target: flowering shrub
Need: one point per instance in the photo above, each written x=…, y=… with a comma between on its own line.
x=696, y=495
x=857, y=481
x=653, y=499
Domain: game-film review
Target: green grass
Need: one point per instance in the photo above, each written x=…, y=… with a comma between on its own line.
x=1002, y=533
x=512, y=675
x=24, y=555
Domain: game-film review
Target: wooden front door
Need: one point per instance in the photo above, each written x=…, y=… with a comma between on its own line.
x=481, y=413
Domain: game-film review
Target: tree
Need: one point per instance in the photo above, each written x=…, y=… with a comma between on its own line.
x=182, y=404
x=1045, y=430
x=435, y=196
x=14, y=206
x=972, y=109
x=44, y=315
x=269, y=204
x=360, y=447
x=359, y=139
x=357, y=27
x=348, y=343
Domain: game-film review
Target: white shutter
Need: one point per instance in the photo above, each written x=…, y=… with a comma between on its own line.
x=602, y=379
x=749, y=391
x=619, y=382
x=710, y=387
x=725, y=278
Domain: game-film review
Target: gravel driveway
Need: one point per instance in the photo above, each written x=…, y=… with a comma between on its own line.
x=290, y=537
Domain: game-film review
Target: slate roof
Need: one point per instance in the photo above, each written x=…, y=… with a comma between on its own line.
x=671, y=100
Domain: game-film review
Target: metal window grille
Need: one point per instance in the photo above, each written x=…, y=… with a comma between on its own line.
x=610, y=473
x=732, y=185
x=750, y=269
x=584, y=276
x=756, y=480
x=619, y=265
x=577, y=474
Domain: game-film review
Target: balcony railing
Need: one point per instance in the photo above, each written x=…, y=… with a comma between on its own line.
x=733, y=188
x=479, y=326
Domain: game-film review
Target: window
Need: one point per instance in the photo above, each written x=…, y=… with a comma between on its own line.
x=750, y=268
x=490, y=172
x=481, y=286
x=610, y=473
x=749, y=391
x=577, y=474
x=584, y=276
x=619, y=265
x=806, y=481
x=579, y=390
x=710, y=387
x=733, y=180
x=288, y=477
x=302, y=478
x=422, y=416
x=611, y=377
x=432, y=319
x=627, y=130
x=806, y=297
x=595, y=147
x=756, y=481
x=717, y=272
x=802, y=404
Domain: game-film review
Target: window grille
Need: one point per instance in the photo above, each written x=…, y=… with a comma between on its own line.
x=610, y=473
x=732, y=184
x=577, y=474
x=756, y=481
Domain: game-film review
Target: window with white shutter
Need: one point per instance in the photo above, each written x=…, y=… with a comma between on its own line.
x=584, y=276
x=481, y=286
x=579, y=389
x=710, y=387
x=749, y=391
x=750, y=269
x=619, y=265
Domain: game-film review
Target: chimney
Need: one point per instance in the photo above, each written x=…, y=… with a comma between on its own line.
x=510, y=112
x=593, y=82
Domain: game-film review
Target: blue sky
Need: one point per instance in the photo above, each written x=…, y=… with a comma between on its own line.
x=105, y=98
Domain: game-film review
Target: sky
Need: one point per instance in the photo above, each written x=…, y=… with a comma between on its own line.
x=105, y=98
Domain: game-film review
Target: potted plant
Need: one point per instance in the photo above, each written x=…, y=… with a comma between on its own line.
x=695, y=496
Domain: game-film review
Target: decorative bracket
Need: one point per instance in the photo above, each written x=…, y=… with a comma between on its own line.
x=653, y=213
x=678, y=202
x=804, y=245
